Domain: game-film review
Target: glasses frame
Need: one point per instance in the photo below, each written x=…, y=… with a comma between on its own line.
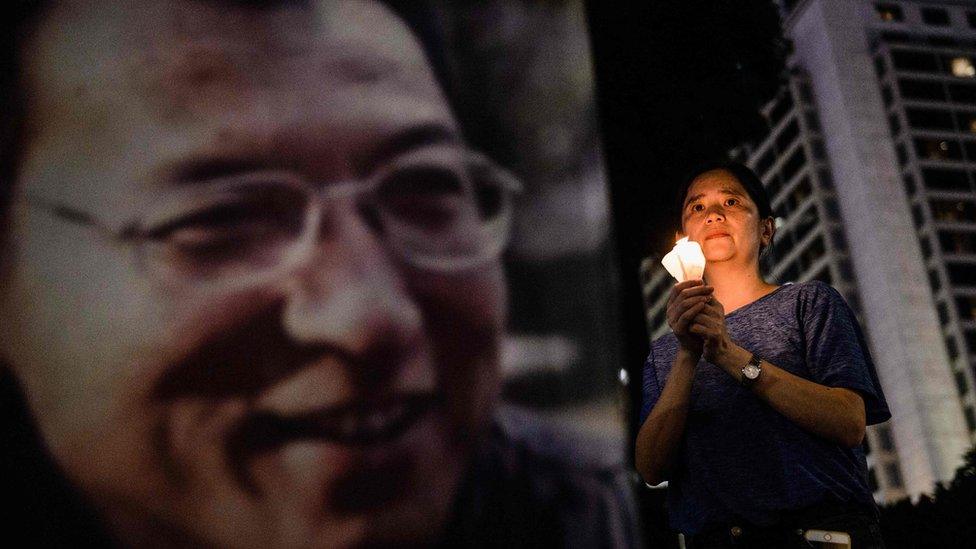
x=474, y=165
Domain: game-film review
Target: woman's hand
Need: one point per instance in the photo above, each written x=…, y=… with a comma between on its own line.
x=718, y=347
x=687, y=300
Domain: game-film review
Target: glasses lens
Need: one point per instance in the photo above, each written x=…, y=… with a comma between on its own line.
x=231, y=232
x=444, y=217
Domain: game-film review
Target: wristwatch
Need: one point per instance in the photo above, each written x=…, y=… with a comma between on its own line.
x=751, y=371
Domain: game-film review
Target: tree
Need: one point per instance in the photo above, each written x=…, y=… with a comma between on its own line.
x=945, y=519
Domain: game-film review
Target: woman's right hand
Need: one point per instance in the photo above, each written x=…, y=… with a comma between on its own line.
x=687, y=299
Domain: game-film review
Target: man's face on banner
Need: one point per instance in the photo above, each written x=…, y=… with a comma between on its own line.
x=237, y=290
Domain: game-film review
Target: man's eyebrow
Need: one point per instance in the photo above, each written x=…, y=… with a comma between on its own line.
x=203, y=169
x=693, y=198
x=407, y=140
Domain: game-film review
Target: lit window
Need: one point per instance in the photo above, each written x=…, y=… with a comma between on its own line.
x=963, y=67
x=972, y=124
x=889, y=12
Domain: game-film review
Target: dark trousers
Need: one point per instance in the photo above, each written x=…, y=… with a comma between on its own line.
x=859, y=522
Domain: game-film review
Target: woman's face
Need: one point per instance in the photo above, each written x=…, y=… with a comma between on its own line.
x=719, y=214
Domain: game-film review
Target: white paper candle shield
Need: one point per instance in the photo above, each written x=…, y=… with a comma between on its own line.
x=685, y=261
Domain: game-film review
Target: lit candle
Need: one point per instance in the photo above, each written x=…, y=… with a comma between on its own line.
x=685, y=261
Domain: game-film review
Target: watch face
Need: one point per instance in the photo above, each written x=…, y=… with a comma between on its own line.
x=751, y=371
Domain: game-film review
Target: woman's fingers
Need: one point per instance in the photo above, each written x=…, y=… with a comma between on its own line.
x=686, y=317
x=677, y=310
x=689, y=288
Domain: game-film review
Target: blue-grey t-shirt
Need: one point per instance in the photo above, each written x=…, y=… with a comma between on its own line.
x=739, y=458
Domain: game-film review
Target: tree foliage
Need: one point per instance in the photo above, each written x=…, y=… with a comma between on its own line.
x=945, y=519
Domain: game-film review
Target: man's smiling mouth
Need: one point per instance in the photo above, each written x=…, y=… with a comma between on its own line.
x=358, y=424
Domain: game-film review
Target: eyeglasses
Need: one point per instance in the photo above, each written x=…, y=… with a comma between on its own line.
x=439, y=208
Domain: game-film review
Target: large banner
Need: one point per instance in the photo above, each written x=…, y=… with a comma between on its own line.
x=307, y=274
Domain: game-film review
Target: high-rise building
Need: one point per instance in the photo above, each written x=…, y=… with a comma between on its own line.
x=871, y=162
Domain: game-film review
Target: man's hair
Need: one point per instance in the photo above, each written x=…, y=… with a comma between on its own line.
x=744, y=175
x=24, y=15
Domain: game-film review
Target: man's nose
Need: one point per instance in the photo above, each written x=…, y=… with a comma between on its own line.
x=352, y=295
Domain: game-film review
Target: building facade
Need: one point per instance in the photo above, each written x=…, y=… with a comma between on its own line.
x=871, y=162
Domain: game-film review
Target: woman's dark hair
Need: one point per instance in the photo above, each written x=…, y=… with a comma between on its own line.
x=744, y=175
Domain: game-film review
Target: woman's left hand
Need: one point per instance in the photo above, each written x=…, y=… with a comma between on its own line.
x=710, y=324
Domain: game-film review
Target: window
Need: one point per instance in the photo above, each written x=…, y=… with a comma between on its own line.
x=806, y=224
x=909, y=181
x=826, y=180
x=970, y=418
x=812, y=121
x=794, y=164
x=963, y=93
x=930, y=119
x=893, y=474
x=937, y=149
x=935, y=16
x=957, y=243
x=953, y=210
x=917, y=216
x=830, y=205
x=895, y=123
x=952, y=348
x=773, y=187
x=914, y=61
x=872, y=477
x=966, y=306
x=901, y=153
x=962, y=67
x=970, y=148
x=889, y=12
x=924, y=90
x=765, y=161
x=880, y=68
x=962, y=274
x=787, y=136
x=945, y=179
x=970, y=336
x=790, y=274
x=806, y=93
x=887, y=96
x=846, y=272
x=818, y=149
x=840, y=241
x=935, y=281
x=966, y=121
x=926, y=247
x=884, y=439
x=943, y=41
x=823, y=275
x=943, y=313
x=961, y=386
x=779, y=110
x=971, y=19
x=813, y=252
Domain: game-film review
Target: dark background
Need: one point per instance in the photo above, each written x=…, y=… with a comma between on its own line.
x=679, y=83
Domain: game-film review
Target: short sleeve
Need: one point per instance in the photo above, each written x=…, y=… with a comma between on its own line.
x=836, y=352
x=651, y=390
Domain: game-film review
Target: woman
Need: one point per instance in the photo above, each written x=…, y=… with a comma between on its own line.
x=756, y=404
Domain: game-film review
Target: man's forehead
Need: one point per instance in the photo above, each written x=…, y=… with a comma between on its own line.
x=175, y=50
x=123, y=95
